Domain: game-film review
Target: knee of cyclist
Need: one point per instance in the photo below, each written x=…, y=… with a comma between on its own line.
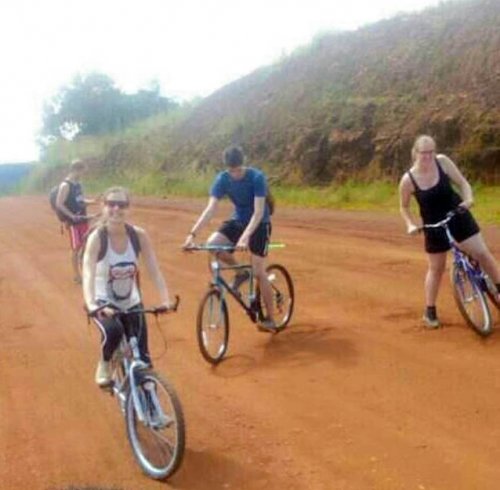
x=480, y=255
x=437, y=270
x=260, y=274
x=114, y=329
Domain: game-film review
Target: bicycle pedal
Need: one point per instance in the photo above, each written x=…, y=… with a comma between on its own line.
x=274, y=331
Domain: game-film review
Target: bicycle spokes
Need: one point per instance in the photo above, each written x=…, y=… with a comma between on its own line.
x=213, y=326
x=282, y=294
x=158, y=440
x=471, y=299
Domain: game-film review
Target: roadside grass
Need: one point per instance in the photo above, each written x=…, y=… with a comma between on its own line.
x=155, y=184
x=356, y=196
x=351, y=195
x=378, y=196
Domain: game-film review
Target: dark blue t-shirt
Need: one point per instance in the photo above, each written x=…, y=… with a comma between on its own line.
x=242, y=193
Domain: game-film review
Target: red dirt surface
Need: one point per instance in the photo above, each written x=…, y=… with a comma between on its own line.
x=354, y=395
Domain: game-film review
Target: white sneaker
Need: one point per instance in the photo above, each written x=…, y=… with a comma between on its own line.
x=103, y=373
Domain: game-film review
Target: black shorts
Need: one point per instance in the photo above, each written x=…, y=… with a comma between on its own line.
x=259, y=240
x=462, y=226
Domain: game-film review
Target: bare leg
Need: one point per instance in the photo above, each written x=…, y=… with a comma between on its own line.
x=259, y=270
x=437, y=264
x=76, y=266
x=476, y=247
x=220, y=239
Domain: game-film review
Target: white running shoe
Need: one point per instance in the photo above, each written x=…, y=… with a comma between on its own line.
x=103, y=373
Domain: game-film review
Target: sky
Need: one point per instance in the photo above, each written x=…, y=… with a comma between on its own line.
x=192, y=47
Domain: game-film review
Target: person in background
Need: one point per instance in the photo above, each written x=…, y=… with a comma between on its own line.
x=71, y=202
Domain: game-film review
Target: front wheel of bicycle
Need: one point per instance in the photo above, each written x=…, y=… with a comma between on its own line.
x=212, y=326
x=471, y=301
x=283, y=295
x=158, y=441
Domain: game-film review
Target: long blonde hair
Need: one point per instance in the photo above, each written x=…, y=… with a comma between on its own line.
x=418, y=140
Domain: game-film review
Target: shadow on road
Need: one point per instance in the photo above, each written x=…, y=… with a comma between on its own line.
x=305, y=343
x=209, y=469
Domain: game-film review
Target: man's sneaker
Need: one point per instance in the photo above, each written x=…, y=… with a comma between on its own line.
x=239, y=279
x=267, y=325
x=430, y=317
x=103, y=373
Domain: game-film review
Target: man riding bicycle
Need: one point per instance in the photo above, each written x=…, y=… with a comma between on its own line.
x=249, y=228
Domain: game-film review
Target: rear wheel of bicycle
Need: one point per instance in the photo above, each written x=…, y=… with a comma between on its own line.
x=283, y=295
x=158, y=442
x=471, y=301
x=212, y=326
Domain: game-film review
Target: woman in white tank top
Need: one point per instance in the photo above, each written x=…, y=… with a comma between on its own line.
x=110, y=275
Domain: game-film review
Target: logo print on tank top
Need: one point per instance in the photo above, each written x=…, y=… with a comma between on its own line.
x=121, y=280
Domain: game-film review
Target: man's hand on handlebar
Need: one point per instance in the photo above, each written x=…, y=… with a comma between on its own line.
x=242, y=244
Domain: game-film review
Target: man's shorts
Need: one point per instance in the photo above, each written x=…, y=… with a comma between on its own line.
x=259, y=241
x=77, y=234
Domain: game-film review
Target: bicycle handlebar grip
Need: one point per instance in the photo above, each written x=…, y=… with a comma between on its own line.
x=164, y=309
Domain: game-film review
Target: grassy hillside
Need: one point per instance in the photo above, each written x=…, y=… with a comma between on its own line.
x=345, y=108
x=352, y=103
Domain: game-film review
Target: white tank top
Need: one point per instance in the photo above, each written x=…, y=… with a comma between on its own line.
x=116, y=278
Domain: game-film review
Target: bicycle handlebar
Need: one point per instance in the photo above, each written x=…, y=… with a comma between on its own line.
x=445, y=221
x=156, y=310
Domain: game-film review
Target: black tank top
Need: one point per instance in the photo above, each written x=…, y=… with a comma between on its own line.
x=438, y=200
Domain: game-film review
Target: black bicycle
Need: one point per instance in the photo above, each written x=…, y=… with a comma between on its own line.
x=212, y=323
x=152, y=410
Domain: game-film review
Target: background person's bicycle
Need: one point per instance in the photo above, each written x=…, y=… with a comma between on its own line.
x=471, y=285
x=212, y=324
x=152, y=411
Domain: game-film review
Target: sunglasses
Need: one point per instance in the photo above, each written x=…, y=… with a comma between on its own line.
x=118, y=204
x=426, y=152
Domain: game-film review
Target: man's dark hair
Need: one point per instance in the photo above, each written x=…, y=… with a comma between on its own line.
x=233, y=156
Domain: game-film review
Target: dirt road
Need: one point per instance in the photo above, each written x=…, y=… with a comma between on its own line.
x=355, y=395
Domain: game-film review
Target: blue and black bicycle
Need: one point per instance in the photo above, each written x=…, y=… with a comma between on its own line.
x=212, y=323
x=471, y=285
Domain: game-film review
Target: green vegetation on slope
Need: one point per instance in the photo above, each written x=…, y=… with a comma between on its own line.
x=333, y=123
